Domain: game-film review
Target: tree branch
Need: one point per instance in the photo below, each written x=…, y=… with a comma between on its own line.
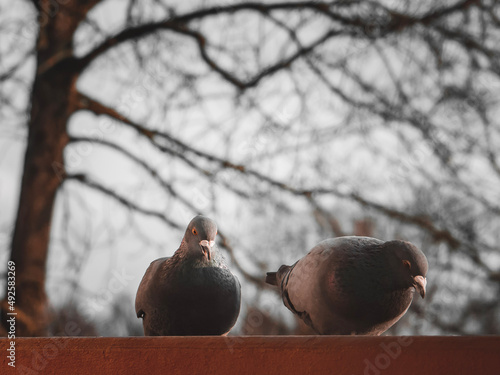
x=224, y=240
x=422, y=222
x=258, y=281
x=9, y=72
x=179, y=24
x=84, y=180
x=164, y=184
x=201, y=40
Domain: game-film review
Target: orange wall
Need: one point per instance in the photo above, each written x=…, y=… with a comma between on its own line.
x=284, y=355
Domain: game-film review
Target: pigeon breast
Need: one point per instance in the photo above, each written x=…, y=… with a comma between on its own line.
x=201, y=301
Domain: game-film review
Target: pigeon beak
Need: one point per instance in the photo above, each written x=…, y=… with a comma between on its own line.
x=206, y=248
x=419, y=283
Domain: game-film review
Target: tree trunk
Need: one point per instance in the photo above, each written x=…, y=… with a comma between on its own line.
x=46, y=140
x=52, y=104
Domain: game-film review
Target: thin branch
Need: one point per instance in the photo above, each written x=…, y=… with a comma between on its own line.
x=201, y=40
x=259, y=281
x=179, y=23
x=224, y=240
x=416, y=119
x=445, y=11
x=9, y=72
x=164, y=184
x=84, y=180
x=422, y=222
x=202, y=43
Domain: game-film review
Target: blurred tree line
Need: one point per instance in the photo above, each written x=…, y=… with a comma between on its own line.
x=287, y=122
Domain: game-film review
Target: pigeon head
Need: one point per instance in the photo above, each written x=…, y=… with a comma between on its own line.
x=411, y=264
x=200, y=237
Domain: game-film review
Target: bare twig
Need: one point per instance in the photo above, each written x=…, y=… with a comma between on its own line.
x=121, y=199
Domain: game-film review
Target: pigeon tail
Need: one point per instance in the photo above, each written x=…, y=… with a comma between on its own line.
x=271, y=278
x=276, y=278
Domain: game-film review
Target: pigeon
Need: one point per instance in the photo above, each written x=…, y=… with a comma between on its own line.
x=352, y=285
x=192, y=293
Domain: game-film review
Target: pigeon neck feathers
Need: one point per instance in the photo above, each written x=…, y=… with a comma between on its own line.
x=189, y=259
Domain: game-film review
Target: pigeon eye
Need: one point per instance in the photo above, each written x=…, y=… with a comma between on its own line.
x=195, y=232
x=407, y=264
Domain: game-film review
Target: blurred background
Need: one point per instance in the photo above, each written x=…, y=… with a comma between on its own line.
x=286, y=122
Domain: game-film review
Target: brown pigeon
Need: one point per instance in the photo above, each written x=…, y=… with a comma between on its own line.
x=193, y=292
x=352, y=285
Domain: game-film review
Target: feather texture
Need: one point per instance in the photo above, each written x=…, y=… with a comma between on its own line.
x=353, y=285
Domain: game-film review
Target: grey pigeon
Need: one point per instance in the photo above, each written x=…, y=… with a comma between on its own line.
x=193, y=292
x=352, y=285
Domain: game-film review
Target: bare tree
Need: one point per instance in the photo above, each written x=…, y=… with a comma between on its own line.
x=387, y=106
